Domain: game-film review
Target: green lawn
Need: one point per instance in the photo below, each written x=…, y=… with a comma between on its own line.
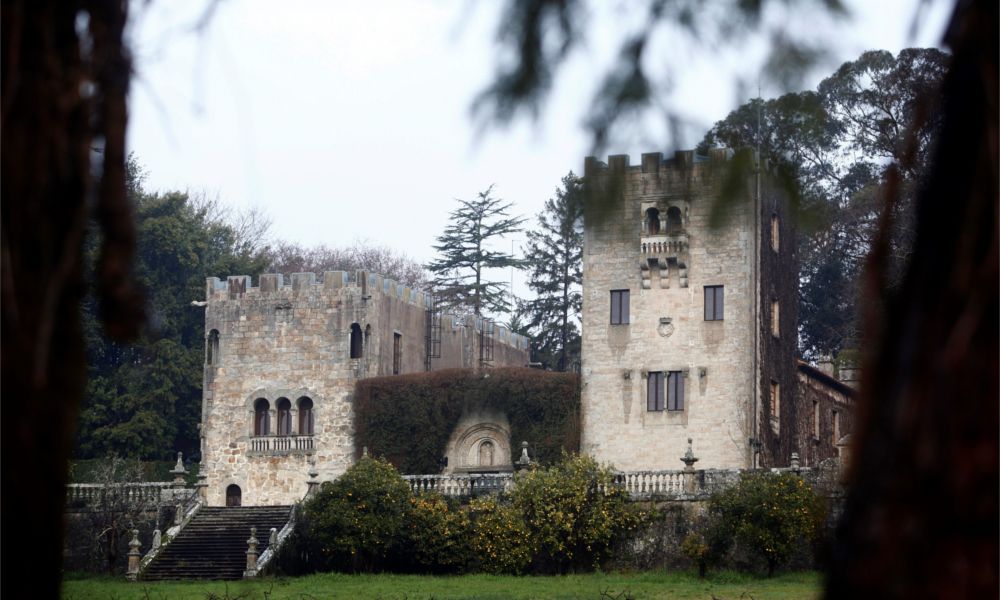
x=601, y=586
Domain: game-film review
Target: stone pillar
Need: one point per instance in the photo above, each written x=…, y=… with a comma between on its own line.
x=795, y=461
x=157, y=538
x=133, y=557
x=178, y=514
x=689, y=473
x=312, y=482
x=273, y=538
x=202, y=485
x=251, y=570
x=179, y=471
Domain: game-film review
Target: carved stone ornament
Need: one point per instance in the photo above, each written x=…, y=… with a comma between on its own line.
x=666, y=327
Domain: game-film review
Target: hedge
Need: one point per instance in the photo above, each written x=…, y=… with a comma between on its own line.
x=408, y=419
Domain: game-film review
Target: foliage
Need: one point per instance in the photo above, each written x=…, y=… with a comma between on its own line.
x=500, y=537
x=652, y=584
x=555, y=261
x=354, y=522
x=695, y=548
x=287, y=257
x=435, y=536
x=766, y=514
x=573, y=513
x=836, y=146
x=465, y=252
x=144, y=399
x=543, y=409
x=89, y=470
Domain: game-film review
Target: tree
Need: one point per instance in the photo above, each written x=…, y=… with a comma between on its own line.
x=144, y=399
x=288, y=257
x=555, y=259
x=465, y=254
x=832, y=146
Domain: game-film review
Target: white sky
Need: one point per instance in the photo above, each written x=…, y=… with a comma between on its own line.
x=348, y=120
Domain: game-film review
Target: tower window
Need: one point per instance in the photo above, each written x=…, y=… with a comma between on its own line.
x=212, y=350
x=261, y=417
x=284, y=416
x=675, y=390
x=619, y=307
x=306, y=423
x=775, y=319
x=714, y=303
x=775, y=233
x=652, y=221
x=675, y=224
x=357, y=345
x=654, y=391
x=397, y=353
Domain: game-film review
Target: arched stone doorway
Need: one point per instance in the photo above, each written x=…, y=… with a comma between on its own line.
x=234, y=495
x=480, y=444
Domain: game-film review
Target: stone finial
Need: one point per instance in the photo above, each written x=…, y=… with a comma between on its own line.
x=179, y=471
x=133, y=557
x=795, y=460
x=364, y=452
x=157, y=539
x=689, y=459
x=524, y=461
x=273, y=538
x=251, y=570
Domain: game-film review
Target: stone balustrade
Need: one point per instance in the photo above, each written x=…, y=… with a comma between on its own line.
x=281, y=444
x=677, y=484
x=90, y=494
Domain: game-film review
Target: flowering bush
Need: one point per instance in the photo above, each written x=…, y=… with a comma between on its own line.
x=500, y=538
x=435, y=536
x=354, y=522
x=768, y=515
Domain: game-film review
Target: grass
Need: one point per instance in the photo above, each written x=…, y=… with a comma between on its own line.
x=599, y=586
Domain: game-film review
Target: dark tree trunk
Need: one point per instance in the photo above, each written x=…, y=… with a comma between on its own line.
x=921, y=517
x=49, y=130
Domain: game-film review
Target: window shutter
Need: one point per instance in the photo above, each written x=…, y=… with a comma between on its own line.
x=624, y=307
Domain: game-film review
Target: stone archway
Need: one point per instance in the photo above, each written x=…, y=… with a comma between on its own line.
x=480, y=443
x=234, y=495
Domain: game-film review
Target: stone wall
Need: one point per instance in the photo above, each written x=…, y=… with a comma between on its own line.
x=820, y=397
x=294, y=342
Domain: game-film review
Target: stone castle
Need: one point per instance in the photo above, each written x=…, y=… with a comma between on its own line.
x=281, y=363
x=689, y=331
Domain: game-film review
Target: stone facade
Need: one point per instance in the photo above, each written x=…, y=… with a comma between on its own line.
x=826, y=416
x=281, y=363
x=658, y=328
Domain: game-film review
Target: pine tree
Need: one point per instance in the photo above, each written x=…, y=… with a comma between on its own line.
x=555, y=255
x=459, y=273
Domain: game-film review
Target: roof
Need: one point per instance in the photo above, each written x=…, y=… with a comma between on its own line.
x=827, y=380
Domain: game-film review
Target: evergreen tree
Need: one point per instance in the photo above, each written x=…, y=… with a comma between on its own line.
x=555, y=258
x=459, y=274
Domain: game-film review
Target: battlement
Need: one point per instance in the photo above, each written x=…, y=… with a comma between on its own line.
x=654, y=162
x=337, y=283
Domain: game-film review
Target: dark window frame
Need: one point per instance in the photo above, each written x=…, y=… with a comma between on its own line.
x=715, y=302
x=675, y=391
x=307, y=422
x=620, y=307
x=655, y=391
x=261, y=417
x=284, y=409
x=397, y=353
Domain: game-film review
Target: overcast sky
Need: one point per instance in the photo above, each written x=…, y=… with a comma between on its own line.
x=350, y=120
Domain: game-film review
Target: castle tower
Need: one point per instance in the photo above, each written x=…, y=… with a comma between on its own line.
x=689, y=330
x=281, y=362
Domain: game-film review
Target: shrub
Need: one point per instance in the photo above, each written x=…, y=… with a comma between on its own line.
x=354, y=522
x=435, y=536
x=543, y=408
x=695, y=548
x=573, y=513
x=500, y=538
x=769, y=515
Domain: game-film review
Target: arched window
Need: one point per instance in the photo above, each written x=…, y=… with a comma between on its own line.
x=674, y=222
x=234, y=496
x=356, y=343
x=652, y=221
x=261, y=417
x=486, y=454
x=305, y=416
x=284, y=416
x=212, y=350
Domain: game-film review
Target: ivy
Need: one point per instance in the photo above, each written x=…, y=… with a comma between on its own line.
x=408, y=419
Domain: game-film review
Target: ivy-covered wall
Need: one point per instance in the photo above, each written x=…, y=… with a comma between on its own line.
x=409, y=418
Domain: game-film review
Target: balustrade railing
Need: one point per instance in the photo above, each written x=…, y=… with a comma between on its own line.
x=461, y=485
x=282, y=443
x=84, y=494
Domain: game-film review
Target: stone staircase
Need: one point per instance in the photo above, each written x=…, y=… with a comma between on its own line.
x=213, y=545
